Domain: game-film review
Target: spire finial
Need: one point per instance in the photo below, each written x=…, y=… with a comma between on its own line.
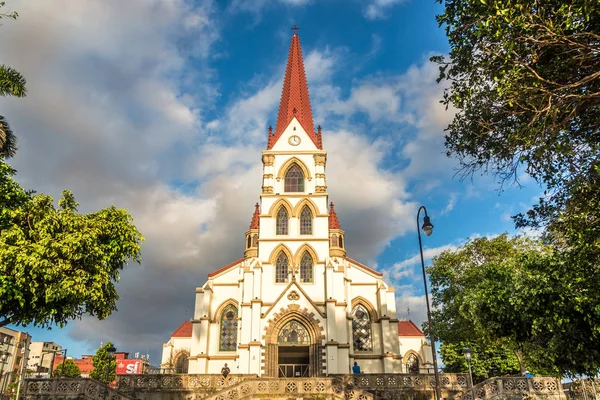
x=319, y=129
x=334, y=223
x=270, y=130
x=295, y=29
x=255, y=222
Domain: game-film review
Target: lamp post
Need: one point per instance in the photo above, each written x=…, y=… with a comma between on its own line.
x=428, y=229
x=467, y=352
x=111, y=353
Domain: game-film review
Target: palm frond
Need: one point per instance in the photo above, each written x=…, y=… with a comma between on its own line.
x=8, y=141
x=12, y=83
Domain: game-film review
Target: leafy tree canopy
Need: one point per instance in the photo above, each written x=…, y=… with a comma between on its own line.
x=57, y=264
x=105, y=367
x=520, y=295
x=525, y=79
x=486, y=362
x=67, y=369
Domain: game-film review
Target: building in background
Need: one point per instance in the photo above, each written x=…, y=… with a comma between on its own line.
x=42, y=356
x=13, y=353
x=418, y=356
x=125, y=365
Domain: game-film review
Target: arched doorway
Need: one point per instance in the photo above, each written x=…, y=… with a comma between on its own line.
x=294, y=341
x=293, y=350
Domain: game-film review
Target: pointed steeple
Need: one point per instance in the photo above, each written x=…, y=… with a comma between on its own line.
x=294, y=97
x=254, y=224
x=333, y=219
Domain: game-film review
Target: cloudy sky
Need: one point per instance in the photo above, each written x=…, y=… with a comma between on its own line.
x=162, y=107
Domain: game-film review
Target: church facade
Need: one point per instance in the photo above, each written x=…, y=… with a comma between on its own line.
x=295, y=304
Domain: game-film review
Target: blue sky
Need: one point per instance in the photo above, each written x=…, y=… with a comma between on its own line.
x=162, y=107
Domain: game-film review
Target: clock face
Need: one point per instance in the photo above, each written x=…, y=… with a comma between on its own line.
x=294, y=140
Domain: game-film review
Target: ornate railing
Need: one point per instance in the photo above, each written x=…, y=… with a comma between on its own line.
x=291, y=387
x=145, y=382
x=69, y=388
x=514, y=387
x=420, y=382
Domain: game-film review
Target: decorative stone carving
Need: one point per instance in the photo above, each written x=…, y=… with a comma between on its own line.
x=293, y=296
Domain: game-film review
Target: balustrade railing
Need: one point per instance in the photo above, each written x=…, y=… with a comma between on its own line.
x=448, y=382
x=64, y=388
x=146, y=382
x=514, y=387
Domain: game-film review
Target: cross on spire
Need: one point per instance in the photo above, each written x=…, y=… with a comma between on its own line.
x=295, y=28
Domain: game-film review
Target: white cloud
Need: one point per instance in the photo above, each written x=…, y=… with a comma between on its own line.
x=451, y=203
x=411, y=267
x=377, y=8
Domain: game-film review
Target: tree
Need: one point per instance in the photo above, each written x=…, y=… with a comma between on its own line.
x=57, y=264
x=521, y=295
x=525, y=79
x=12, y=83
x=67, y=369
x=485, y=362
x=105, y=367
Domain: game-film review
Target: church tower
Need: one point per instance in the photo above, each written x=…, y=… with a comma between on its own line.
x=295, y=304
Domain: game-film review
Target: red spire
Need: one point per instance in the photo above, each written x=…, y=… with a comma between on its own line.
x=333, y=219
x=255, y=220
x=294, y=97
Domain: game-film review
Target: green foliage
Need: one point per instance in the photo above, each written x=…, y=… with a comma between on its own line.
x=525, y=79
x=105, y=367
x=67, y=369
x=485, y=362
x=519, y=295
x=57, y=264
x=12, y=83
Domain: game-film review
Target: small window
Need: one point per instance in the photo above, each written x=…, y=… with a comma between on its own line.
x=282, y=222
x=412, y=364
x=306, y=268
x=306, y=221
x=334, y=241
x=249, y=242
x=294, y=179
x=281, y=269
x=341, y=242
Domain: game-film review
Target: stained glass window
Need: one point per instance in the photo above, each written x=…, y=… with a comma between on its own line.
x=282, y=222
x=306, y=221
x=281, y=269
x=412, y=364
x=293, y=333
x=306, y=268
x=294, y=179
x=361, y=329
x=181, y=363
x=229, y=328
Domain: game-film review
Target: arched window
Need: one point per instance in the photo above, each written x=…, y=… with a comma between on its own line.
x=334, y=241
x=306, y=221
x=341, y=242
x=282, y=222
x=294, y=179
x=281, y=269
x=229, y=328
x=181, y=363
x=412, y=364
x=306, y=268
x=249, y=242
x=361, y=329
x=293, y=333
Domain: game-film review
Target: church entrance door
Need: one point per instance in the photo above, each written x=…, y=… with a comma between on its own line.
x=294, y=361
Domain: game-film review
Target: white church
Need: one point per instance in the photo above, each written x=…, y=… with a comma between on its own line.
x=295, y=304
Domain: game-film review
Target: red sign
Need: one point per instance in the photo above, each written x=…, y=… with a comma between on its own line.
x=129, y=366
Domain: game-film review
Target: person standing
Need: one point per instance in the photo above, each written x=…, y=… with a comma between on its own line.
x=225, y=371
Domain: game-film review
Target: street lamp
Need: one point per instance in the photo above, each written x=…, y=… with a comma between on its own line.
x=428, y=229
x=111, y=353
x=467, y=352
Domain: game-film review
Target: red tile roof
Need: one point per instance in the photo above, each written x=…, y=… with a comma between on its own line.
x=254, y=224
x=408, y=328
x=225, y=268
x=371, y=270
x=184, y=330
x=334, y=223
x=295, y=101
